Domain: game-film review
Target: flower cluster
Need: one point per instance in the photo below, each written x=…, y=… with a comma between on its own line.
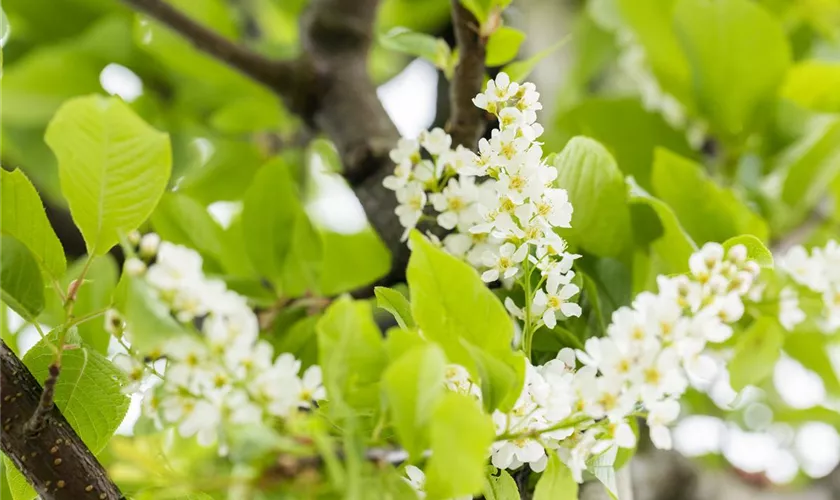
x=819, y=273
x=221, y=372
x=504, y=225
x=640, y=368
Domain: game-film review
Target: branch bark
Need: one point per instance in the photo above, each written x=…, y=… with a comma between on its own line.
x=54, y=460
x=467, y=123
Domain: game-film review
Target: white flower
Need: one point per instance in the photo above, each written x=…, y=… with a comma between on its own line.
x=311, y=387
x=555, y=299
x=134, y=266
x=554, y=207
x=114, y=323
x=416, y=479
x=400, y=177
x=149, y=244
x=202, y=420
x=406, y=152
x=790, y=314
x=454, y=201
x=510, y=454
x=436, y=141
x=504, y=264
x=660, y=415
x=412, y=199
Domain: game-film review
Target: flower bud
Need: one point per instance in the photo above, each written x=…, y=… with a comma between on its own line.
x=134, y=237
x=149, y=245
x=134, y=267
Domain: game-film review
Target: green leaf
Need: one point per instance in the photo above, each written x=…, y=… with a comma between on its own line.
x=675, y=246
x=279, y=237
x=221, y=170
x=24, y=218
x=756, y=353
x=501, y=487
x=622, y=125
x=738, y=54
x=503, y=45
x=603, y=468
x=479, y=8
x=811, y=349
x=813, y=85
x=249, y=114
x=411, y=42
x=755, y=249
x=301, y=340
x=601, y=219
x=399, y=341
x=708, y=212
x=113, y=167
x=651, y=23
x=413, y=384
x=88, y=392
x=351, y=354
x=449, y=302
x=501, y=377
x=556, y=483
x=395, y=303
x=809, y=165
x=147, y=317
x=460, y=437
x=182, y=220
x=519, y=70
x=20, y=279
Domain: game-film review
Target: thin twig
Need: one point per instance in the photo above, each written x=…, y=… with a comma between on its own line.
x=35, y=424
x=467, y=123
x=279, y=75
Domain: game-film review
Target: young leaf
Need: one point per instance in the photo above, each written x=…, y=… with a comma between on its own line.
x=708, y=212
x=519, y=70
x=601, y=219
x=501, y=377
x=147, y=317
x=809, y=166
x=460, y=437
x=88, y=391
x=412, y=385
x=395, y=303
x=398, y=341
x=756, y=353
x=24, y=218
x=450, y=302
x=501, y=487
x=603, y=468
x=503, y=45
x=351, y=354
x=20, y=279
x=738, y=54
x=755, y=249
x=113, y=167
x=411, y=42
x=556, y=482
x=182, y=220
x=813, y=85
x=675, y=246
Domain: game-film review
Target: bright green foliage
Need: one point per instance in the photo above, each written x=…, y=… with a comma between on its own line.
x=23, y=218
x=460, y=437
x=351, y=354
x=755, y=249
x=88, y=393
x=279, y=238
x=434, y=50
x=484, y=9
x=738, y=54
x=503, y=45
x=20, y=279
x=707, y=211
x=184, y=221
x=412, y=384
x=518, y=71
x=674, y=246
x=556, y=482
x=351, y=261
x=809, y=165
x=813, y=85
x=147, y=317
x=395, y=303
x=756, y=352
x=398, y=341
x=113, y=167
x=501, y=377
x=498, y=485
x=454, y=308
x=601, y=220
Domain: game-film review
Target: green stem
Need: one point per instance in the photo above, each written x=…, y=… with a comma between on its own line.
x=565, y=424
x=527, y=332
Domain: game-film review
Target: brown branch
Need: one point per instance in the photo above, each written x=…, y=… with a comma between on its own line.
x=278, y=75
x=467, y=123
x=54, y=460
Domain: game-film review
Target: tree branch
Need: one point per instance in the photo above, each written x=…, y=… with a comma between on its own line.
x=278, y=75
x=54, y=460
x=467, y=122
